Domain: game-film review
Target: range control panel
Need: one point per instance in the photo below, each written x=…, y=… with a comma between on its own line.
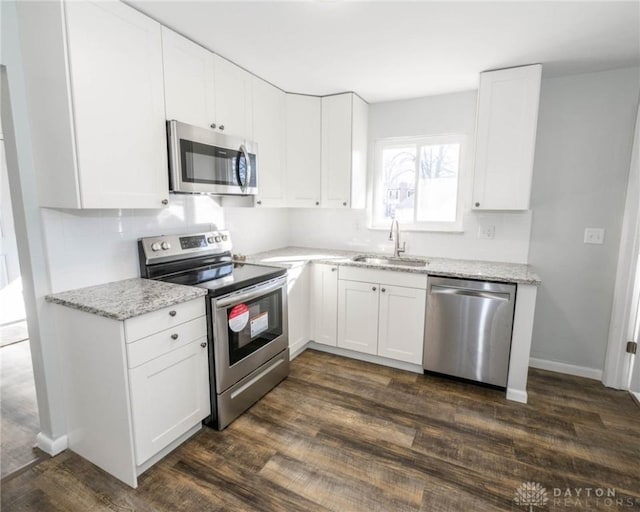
x=175, y=247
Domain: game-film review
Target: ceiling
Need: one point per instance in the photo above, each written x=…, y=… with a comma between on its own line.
x=392, y=50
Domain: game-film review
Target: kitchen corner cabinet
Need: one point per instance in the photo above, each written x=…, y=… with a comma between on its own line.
x=382, y=313
x=505, y=138
x=134, y=389
x=303, y=132
x=324, y=304
x=298, y=308
x=269, y=104
x=203, y=89
x=93, y=73
x=344, y=151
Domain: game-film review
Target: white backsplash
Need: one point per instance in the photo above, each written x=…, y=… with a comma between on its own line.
x=87, y=247
x=346, y=229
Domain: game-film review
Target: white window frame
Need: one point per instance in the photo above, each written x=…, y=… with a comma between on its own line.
x=375, y=196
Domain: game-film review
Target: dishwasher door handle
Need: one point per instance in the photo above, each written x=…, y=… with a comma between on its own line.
x=446, y=290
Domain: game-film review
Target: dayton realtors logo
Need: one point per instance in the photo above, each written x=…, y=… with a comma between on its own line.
x=531, y=494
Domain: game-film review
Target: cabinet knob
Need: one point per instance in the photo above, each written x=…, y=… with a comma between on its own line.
x=374, y=288
x=174, y=336
x=383, y=290
x=221, y=127
x=344, y=203
x=203, y=344
x=333, y=269
x=317, y=203
x=165, y=202
x=259, y=202
x=477, y=204
x=213, y=125
x=172, y=313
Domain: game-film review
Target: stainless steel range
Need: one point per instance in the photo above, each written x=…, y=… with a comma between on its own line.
x=246, y=310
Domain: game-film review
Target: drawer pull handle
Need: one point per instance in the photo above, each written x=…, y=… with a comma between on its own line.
x=173, y=312
x=203, y=344
x=174, y=336
x=383, y=290
x=374, y=288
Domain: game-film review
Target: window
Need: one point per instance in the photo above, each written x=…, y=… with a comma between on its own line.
x=418, y=182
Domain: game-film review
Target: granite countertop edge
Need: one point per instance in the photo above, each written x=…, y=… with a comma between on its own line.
x=293, y=257
x=125, y=299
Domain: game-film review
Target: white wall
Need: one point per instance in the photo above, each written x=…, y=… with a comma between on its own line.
x=435, y=115
x=87, y=247
x=583, y=150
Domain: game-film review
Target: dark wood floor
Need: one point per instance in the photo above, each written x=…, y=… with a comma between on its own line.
x=18, y=408
x=344, y=435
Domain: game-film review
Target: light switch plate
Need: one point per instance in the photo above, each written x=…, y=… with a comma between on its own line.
x=594, y=236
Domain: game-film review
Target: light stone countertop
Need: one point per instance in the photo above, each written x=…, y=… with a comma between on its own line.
x=125, y=299
x=291, y=257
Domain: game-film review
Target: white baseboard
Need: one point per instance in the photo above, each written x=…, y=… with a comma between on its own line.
x=52, y=446
x=297, y=348
x=569, y=369
x=383, y=361
x=517, y=395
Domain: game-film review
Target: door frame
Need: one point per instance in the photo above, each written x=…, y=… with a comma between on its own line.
x=618, y=363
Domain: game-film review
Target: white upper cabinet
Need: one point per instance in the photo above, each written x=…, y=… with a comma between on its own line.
x=93, y=72
x=188, y=80
x=233, y=99
x=302, y=150
x=505, y=138
x=204, y=89
x=269, y=133
x=344, y=150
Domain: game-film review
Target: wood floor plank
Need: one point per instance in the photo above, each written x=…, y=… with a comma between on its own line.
x=350, y=436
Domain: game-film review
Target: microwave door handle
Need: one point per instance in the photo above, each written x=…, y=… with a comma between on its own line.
x=245, y=185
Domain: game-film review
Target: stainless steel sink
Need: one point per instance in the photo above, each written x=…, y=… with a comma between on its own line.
x=402, y=262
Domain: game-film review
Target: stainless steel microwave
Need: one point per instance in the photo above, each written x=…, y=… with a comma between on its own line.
x=202, y=161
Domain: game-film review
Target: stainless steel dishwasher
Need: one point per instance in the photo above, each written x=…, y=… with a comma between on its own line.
x=468, y=329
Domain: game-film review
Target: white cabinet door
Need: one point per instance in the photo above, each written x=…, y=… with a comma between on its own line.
x=269, y=133
x=324, y=304
x=358, y=316
x=298, y=307
x=401, y=324
x=169, y=395
x=233, y=99
x=303, y=150
x=188, y=80
x=336, y=150
x=115, y=64
x=506, y=136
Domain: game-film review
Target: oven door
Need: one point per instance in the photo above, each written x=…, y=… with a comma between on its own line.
x=208, y=162
x=249, y=328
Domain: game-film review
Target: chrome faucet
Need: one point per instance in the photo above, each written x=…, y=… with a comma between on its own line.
x=397, y=250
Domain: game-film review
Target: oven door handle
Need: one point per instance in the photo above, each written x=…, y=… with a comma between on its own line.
x=243, y=297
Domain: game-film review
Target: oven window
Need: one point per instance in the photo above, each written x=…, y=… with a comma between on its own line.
x=253, y=324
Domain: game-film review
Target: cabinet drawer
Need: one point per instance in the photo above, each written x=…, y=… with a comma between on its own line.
x=160, y=343
x=390, y=277
x=165, y=318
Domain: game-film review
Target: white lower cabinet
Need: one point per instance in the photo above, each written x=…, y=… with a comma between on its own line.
x=324, y=304
x=401, y=323
x=380, y=315
x=169, y=395
x=134, y=389
x=298, y=307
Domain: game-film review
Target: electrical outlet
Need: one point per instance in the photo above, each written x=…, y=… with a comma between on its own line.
x=594, y=236
x=486, y=232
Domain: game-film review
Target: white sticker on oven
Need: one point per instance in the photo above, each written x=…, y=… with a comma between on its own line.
x=259, y=324
x=238, y=317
